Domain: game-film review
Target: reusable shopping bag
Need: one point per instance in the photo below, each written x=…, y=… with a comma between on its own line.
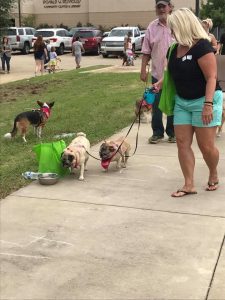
x=167, y=98
x=49, y=157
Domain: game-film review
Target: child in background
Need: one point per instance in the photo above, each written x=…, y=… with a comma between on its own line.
x=129, y=53
x=53, y=60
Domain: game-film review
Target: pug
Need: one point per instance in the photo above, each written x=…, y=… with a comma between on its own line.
x=145, y=110
x=117, y=151
x=76, y=154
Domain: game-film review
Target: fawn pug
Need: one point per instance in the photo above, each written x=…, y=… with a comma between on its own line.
x=145, y=111
x=76, y=154
x=36, y=117
x=117, y=151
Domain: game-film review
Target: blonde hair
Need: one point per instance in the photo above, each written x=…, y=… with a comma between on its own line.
x=208, y=22
x=186, y=27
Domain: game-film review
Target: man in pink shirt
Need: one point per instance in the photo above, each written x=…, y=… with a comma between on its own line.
x=157, y=40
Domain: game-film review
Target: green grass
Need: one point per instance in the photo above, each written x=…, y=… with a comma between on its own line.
x=98, y=104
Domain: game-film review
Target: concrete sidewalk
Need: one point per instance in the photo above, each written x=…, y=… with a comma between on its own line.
x=117, y=235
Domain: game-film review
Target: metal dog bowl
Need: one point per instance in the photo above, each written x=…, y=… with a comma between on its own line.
x=48, y=178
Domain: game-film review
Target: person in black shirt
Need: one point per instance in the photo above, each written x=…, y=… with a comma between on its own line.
x=198, y=100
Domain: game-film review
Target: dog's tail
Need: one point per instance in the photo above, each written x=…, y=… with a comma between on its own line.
x=81, y=134
x=11, y=134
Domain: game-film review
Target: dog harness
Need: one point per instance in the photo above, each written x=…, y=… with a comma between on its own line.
x=44, y=113
x=105, y=163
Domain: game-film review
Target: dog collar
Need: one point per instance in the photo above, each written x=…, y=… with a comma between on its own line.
x=46, y=111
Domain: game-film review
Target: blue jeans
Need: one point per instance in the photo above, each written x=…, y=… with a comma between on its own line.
x=5, y=61
x=157, y=121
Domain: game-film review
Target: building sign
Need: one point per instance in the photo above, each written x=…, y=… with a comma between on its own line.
x=61, y=3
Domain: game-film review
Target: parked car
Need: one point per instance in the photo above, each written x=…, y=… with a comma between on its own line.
x=113, y=44
x=105, y=34
x=59, y=38
x=73, y=30
x=20, y=38
x=91, y=39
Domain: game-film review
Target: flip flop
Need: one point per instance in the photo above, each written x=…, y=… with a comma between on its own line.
x=184, y=193
x=213, y=185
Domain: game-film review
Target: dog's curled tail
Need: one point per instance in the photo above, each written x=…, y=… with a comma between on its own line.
x=11, y=134
x=81, y=134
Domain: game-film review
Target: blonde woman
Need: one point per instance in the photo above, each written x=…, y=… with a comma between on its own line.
x=198, y=102
x=208, y=25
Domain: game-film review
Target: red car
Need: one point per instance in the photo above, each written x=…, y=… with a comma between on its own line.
x=91, y=39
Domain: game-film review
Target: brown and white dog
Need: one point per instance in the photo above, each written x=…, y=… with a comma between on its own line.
x=37, y=118
x=76, y=154
x=117, y=151
x=145, y=110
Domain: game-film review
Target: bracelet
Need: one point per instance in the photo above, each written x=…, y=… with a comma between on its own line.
x=208, y=102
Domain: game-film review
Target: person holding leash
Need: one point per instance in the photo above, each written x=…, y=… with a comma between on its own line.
x=156, y=42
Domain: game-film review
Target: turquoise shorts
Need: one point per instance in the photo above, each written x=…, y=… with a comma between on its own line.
x=189, y=112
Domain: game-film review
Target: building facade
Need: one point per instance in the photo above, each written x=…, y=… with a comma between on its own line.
x=107, y=13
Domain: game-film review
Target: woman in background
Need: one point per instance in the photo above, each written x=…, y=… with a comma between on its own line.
x=40, y=53
x=5, y=53
x=208, y=25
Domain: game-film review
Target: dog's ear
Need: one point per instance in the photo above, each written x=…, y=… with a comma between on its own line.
x=40, y=103
x=51, y=104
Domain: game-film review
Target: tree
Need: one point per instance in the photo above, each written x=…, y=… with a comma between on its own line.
x=214, y=9
x=5, y=8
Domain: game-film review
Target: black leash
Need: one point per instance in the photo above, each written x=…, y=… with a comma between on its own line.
x=132, y=124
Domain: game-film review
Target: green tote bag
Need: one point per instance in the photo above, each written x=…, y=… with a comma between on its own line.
x=167, y=98
x=49, y=157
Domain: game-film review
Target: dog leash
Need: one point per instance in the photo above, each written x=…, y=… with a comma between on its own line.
x=132, y=124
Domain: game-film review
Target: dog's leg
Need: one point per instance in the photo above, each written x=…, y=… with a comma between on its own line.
x=23, y=134
x=85, y=164
x=118, y=165
x=81, y=172
x=39, y=130
x=126, y=156
x=24, y=138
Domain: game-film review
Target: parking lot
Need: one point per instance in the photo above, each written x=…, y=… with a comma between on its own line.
x=22, y=66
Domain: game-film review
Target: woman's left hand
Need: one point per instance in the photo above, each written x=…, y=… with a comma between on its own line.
x=207, y=114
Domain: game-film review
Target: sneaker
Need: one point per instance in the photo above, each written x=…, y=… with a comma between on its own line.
x=172, y=139
x=155, y=139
